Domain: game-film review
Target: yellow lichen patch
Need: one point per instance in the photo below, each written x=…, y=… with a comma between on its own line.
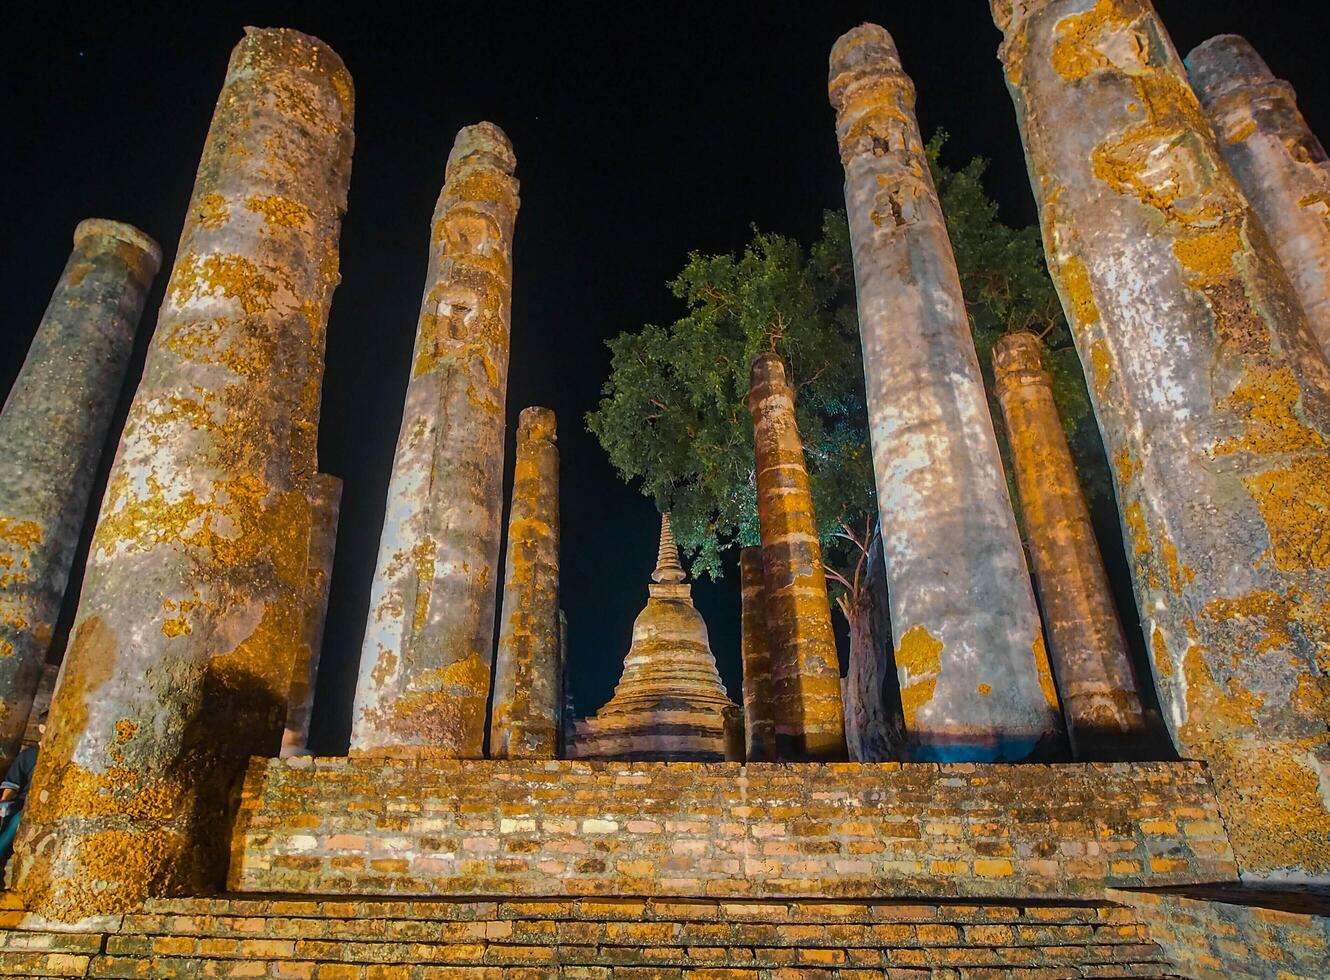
x=1133, y=515
x=1240, y=133
x=1179, y=574
x=22, y=534
x=985, y=689
x=1268, y=397
x=280, y=211
x=1294, y=501
x=1213, y=707
x=1044, y=671
x=212, y=211
x=1126, y=466
x=1075, y=52
x=1274, y=610
x=1103, y=366
x=1208, y=255
x=1159, y=652
x=233, y=275
x=267, y=657
x=919, y=657
x=1075, y=281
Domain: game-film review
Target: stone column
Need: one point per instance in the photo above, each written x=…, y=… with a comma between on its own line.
x=1277, y=161
x=805, y=674
x=1095, y=678
x=189, y=619
x=52, y=431
x=759, y=720
x=974, y=676
x=527, y=684
x=425, y=665
x=325, y=501
x=1213, y=399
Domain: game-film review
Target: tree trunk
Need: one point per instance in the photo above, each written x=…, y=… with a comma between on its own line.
x=874, y=725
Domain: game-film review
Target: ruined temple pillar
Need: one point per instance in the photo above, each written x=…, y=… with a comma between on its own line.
x=1214, y=403
x=805, y=673
x=1277, y=161
x=528, y=688
x=52, y=431
x=185, y=637
x=425, y=665
x=758, y=706
x=1095, y=678
x=325, y=500
x=974, y=676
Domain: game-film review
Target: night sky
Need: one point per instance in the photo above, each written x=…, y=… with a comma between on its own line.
x=642, y=131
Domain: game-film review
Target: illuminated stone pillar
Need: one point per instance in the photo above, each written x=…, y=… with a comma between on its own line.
x=425, y=665
x=1213, y=399
x=759, y=721
x=1277, y=161
x=1095, y=678
x=325, y=506
x=805, y=674
x=974, y=677
x=191, y=609
x=52, y=431
x=528, y=689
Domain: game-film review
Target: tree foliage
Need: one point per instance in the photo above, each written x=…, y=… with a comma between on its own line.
x=673, y=412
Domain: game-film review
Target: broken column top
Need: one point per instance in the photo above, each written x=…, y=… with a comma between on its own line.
x=481, y=144
x=1018, y=359
x=1224, y=63
x=767, y=373
x=536, y=423
x=263, y=48
x=121, y=232
x=866, y=51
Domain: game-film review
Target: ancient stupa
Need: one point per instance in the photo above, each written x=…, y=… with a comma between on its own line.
x=670, y=703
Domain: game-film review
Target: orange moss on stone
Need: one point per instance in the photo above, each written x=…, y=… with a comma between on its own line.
x=234, y=276
x=279, y=210
x=919, y=658
x=1294, y=502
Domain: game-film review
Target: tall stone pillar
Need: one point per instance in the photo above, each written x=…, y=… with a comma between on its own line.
x=425, y=665
x=1277, y=161
x=805, y=673
x=185, y=637
x=528, y=688
x=759, y=719
x=52, y=431
x=1213, y=399
x=1095, y=678
x=325, y=506
x=974, y=676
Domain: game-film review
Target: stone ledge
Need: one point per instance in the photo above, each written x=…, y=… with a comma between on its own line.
x=721, y=830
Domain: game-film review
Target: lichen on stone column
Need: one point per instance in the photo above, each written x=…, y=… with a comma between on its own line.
x=759, y=720
x=52, y=431
x=425, y=664
x=1277, y=161
x=805, y=671
x=528, y=688
x=1095, y=679
x=189, y=619
x=325, y=501
x=1213, y=399
x=974, y=676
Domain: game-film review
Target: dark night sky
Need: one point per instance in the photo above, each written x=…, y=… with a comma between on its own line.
x=642, y=131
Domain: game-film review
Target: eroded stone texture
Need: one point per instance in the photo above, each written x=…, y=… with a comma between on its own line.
x=52, y=431
x=1213, y=399
x=325, y=501
x=974, y=677
x=805, y=672
x=669, y=703
x=425, y=665
x=759, y=717
x=1277, y=161
x=1095, y=679
x=528, y=685
x=191, y=610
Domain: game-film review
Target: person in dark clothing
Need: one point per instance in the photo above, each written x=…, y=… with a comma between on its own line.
x=13, y=794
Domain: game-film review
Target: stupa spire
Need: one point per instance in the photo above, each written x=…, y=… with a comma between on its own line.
x=668, y=567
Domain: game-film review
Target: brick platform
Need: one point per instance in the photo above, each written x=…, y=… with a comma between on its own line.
x=590, y=939
x=447, y=828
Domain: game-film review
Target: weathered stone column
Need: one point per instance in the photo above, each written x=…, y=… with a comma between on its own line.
x=186, y=631
x=52, y=431
x=805, y=674
x=1214, y=403
x=975, y=683
x=759, y=720
x=325, y=501
x=425, y=664
x=528, y=688
x=1277, y=160
x=1095, y=678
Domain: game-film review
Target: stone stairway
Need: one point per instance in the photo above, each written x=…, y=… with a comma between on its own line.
x=605, y=939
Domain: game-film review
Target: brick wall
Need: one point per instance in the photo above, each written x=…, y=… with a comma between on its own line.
x=550, y=829
x=1221, y=934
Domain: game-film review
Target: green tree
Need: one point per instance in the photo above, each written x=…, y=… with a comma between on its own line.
x=673, y=412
